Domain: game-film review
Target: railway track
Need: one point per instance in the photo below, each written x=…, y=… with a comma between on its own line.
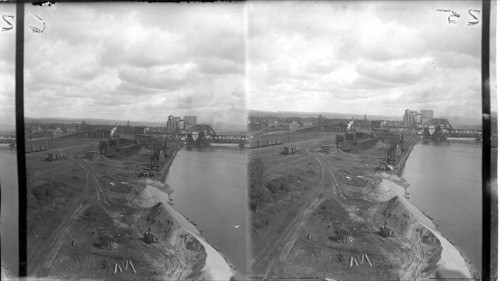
x=275, y=251
x=44, y=255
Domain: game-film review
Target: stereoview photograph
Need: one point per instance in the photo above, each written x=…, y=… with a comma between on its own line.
x=256, y=140
x=366, y=139
x=135, y=131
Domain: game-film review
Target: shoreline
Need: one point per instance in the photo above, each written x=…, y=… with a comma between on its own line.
x=165, y=167
x=448, y=262
x=198, y=234
x=216, y=264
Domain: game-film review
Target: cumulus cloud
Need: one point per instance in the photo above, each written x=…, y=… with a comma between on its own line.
x=147, y=61
x=364, y=57
x=137, y=61
x=7, y=70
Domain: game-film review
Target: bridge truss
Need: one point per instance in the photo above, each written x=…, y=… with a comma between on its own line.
x=442, y=127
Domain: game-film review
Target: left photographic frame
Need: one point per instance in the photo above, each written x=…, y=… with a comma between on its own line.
x=134, y=122
x=9, y=218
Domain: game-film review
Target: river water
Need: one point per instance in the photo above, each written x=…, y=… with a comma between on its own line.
x=210, y=188
x=9, y=219
x=445, y=183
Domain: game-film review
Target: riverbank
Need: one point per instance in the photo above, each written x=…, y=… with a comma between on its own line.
x=301, y=228
x=216, y=264
x=400, y=163
x=210, y=190
x=171, y=152
x=452, y=263
x=88, y=218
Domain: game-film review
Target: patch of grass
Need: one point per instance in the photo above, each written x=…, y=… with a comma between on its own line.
x=44, y=194
x=95, y=216
x=283, y=185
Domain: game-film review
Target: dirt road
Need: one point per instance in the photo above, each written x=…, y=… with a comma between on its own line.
x=273, y=251
x=44, y=254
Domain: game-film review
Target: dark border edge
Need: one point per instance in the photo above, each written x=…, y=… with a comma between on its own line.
x=21, y=160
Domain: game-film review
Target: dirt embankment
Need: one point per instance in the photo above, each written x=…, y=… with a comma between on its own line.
x=208, y=263
x=123, y=229
x=430, y=254
x=196, y=259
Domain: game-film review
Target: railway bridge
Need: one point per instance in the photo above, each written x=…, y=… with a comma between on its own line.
x=440, y=128
x=8, y=139
x=203, y=135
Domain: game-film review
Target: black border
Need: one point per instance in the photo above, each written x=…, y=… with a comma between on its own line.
x=486, y=173
x=21, y=159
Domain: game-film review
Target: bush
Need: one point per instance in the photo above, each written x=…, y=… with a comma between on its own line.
x=43, y=192
x=256, y=175
x=284, y=184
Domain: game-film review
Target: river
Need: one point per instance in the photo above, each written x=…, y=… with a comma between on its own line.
x=9, y=219
x=445, y=183
x=210, y=188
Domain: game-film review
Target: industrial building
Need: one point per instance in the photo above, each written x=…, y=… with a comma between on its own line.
x=363, y=144
x=380, y=133
x=339, y=127
x=156, y=160
x=393, y=154
x=143, y=139
x=173, y=124
x=140, y=130
x=413, y=118
x=410, y=118
x=377, y=124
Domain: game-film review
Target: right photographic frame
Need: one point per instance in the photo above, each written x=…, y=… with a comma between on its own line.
x=372, y=140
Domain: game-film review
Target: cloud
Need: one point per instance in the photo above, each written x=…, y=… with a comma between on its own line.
x=363, y=57
x=7, y=70
x=136, y=61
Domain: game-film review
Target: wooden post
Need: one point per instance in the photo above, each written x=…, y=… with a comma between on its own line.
x=368, y=260
x=132, y=265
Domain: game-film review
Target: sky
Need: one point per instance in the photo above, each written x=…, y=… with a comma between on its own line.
x=136, y=61
x=372, y=57
x=144, y=62
x=7, y=69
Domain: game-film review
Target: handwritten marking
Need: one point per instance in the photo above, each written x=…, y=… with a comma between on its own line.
x=4, y=17
x=453, y=18
x=470, y=13
x=35, y=29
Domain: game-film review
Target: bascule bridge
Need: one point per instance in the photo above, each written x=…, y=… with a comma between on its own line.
x=204, y=135
x=440, y=129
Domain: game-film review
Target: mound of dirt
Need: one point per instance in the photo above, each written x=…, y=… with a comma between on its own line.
x=173, y=231
x=385, y=190
x=433, y=256
x=193, y=257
